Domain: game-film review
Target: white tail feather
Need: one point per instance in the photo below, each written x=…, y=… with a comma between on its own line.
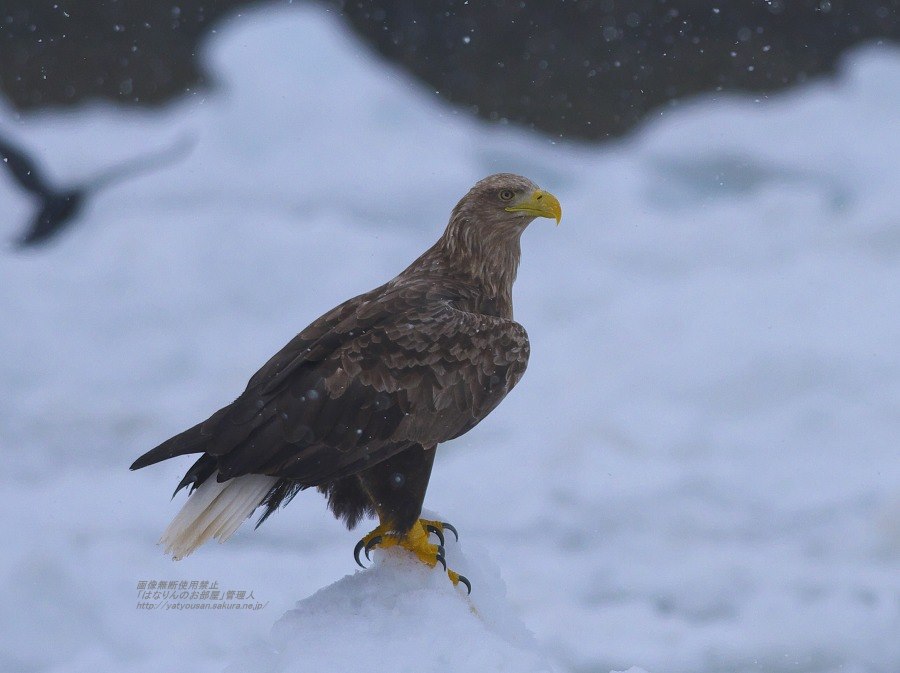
x=215, y=510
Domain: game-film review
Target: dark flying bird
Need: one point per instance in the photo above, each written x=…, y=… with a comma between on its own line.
x=356, y=404
x=58, y=207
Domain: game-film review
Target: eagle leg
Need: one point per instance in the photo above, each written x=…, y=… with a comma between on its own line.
x=415, y=540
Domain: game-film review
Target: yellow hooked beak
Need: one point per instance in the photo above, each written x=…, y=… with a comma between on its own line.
x=540, y=204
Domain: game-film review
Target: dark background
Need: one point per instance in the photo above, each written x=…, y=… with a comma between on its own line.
x=589, y=69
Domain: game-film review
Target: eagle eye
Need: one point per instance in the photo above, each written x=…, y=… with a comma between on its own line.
x=506, y=194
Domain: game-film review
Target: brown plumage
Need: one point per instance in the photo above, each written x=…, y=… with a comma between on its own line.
x=357, y=402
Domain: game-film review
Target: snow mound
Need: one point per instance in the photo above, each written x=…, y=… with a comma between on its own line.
x=399, y=615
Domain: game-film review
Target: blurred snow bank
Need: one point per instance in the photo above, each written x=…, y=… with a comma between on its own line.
x=402, y=616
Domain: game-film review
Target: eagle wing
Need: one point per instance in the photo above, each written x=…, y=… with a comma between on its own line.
x=23, y=169
x=376, y=375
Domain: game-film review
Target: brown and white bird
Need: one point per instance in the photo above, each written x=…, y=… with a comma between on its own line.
x=356, y=404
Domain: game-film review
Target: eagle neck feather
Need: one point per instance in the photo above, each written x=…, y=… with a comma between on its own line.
x=484, y=254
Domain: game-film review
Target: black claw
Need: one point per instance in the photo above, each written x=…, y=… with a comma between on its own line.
x=451, y=529
x=374, y=542
x=465, y=580
x=440, y=557
x=357, y=549
x=436, y=531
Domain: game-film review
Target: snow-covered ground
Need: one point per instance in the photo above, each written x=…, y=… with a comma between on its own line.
x=698, y=474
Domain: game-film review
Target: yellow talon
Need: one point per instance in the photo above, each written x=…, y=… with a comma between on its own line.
x=369, y=541
x=415, y=540
x=438, y=528
x=456, y=578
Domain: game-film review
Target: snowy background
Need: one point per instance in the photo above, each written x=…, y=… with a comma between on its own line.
x=699, y=472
